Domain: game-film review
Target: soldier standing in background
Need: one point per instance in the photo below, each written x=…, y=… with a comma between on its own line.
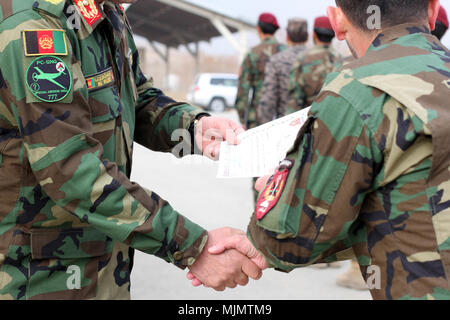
x=441, y=24
x=274, y=96
x=368, y=176
x=312, y=67
x=251, y=78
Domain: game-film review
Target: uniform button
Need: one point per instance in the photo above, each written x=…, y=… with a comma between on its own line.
x=86, y=2
x=178, y=255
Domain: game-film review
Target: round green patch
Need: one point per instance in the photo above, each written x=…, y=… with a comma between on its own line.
x=49, y=79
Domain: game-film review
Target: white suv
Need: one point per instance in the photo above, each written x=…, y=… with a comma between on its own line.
x=214, y=91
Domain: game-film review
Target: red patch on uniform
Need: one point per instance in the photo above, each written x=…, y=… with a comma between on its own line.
x=271, y=194
x=89, y=12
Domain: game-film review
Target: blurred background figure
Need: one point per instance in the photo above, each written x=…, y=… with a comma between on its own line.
x=252, y=72
x=312, y=67
x=251, y=78
x=274, y=96
x=441, y=24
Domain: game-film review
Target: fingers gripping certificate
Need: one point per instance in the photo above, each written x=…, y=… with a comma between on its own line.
x=261, y=149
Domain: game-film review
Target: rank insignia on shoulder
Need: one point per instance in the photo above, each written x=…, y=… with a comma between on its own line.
x=49, y=79
x=89, y=10
x=273, y=191
x=44, y=42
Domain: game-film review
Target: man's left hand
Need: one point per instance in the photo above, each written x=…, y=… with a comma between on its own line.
x=210, y=132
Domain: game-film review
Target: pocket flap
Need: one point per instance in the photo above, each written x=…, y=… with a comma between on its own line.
x=69, y=243
x=105, y=104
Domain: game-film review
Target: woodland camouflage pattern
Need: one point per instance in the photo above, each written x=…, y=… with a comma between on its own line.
x=371, y=173
x=308, y=75
x=251, y=80
x=274, y=95
x=64, y=167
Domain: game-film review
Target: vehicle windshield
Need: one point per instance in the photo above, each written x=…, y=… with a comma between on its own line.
x=224, y=82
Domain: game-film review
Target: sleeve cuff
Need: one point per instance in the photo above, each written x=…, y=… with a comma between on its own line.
x=187, y=254
x=187, y=115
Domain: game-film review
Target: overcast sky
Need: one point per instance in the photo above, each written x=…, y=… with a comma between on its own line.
x=283, y=9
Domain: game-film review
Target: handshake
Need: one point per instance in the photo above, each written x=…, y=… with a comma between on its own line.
x=227, y=260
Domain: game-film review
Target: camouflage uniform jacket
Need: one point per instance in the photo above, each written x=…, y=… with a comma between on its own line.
x=72, y=101
x=274, y=96
x=251, y=80
x=369, y=173
x=308, y=75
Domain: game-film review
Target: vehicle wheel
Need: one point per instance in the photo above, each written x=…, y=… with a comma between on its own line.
x=217, y=105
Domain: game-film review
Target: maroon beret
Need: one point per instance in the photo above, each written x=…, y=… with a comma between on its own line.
x=442, y=17
x=269, y=18
x=323, y=22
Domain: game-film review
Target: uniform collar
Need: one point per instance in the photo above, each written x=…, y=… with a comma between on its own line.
x=298, y=47
x=391, y=34
x=91, y=13
x=322, y=46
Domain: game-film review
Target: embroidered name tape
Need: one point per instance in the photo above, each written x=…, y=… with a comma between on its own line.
x=100, y=80
x=44, y=42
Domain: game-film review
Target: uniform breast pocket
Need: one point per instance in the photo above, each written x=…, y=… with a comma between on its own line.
x=65, y=263
x=105, y=104
x=103, y=95
x=106, y=110
x=112, y=118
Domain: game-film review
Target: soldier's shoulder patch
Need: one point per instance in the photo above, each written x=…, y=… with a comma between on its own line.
x=49, y=79
x=273, y=191
x=44, y=42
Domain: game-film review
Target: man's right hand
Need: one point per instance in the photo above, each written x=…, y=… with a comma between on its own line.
x=225, y=270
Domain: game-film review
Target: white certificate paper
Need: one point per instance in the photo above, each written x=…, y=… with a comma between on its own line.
x=262, y=148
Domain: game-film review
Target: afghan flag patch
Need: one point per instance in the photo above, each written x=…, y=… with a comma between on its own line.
x=44, y=42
